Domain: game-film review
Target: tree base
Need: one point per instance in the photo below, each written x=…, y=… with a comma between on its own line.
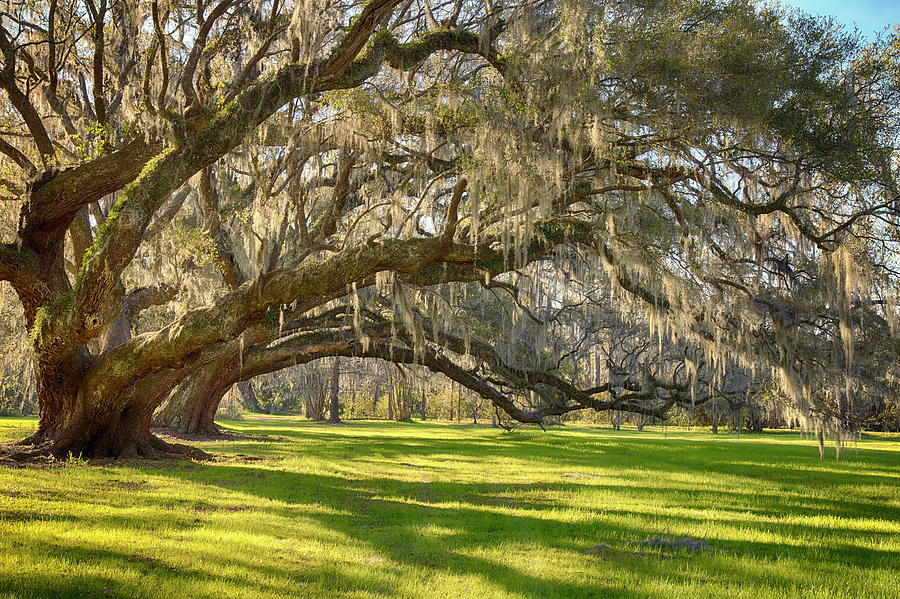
x=35, y=450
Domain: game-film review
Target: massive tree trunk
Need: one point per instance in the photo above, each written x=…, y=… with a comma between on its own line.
x=102, y=405
x=77, y=418
x=78, y=415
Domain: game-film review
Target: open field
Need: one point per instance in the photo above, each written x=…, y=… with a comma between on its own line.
x=437, y=510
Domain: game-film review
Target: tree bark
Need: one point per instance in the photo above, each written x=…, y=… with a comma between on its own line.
x=315, y=404
x=424, y=405
x=191, y=407
x=73, y=423
x=403, y=407
x=391, y=392
x=77, y=417
x=334, y=402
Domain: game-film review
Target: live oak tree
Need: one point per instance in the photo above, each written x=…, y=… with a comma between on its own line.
x=729, y=172
x=102, y=404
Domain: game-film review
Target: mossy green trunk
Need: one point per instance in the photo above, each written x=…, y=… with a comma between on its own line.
x=76, y=421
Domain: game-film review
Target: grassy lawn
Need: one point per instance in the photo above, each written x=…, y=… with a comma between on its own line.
x=437, y=510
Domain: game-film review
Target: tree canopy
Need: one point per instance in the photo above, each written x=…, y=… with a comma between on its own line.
x=196, y=193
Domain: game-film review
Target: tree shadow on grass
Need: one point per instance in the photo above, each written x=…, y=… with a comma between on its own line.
x=390, y=517
x=683, y=449
x=147, y=573
x=390, y=528
x=485, y=530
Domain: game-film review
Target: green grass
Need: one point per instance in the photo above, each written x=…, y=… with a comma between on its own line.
x=437, y=510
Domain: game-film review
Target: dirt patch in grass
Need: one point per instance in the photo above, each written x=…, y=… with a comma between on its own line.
x=658, y=545
x=686, y=543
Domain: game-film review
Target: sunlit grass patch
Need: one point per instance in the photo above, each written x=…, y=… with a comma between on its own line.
x=373, y=509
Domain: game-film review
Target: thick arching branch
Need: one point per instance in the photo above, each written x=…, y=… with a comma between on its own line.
x=52, y=206
x=373, y=14
x=97, y=291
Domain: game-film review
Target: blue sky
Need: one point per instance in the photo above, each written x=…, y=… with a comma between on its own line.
x=869, y=15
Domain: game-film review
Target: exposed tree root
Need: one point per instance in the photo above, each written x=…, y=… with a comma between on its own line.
x=178, y=450
x=32, y=451
x=220, y=435
x=173, y=433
